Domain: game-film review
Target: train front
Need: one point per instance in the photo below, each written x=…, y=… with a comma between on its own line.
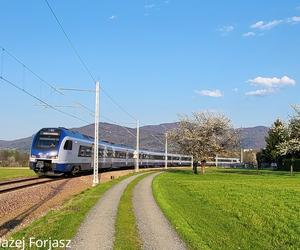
x=44, y=150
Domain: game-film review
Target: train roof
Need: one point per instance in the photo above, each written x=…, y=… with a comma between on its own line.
x=78, y=135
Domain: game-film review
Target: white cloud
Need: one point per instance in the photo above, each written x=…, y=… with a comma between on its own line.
x=210, y=93
x=235, y=90
x=294, y=19
x=261, y=25
x=113, y=17
x=261, y=92
x=247, y=34
x=272, y=81
x=270, y=85
x=226, y=29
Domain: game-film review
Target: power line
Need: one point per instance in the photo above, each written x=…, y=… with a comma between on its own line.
x=29, y=69
x=42, y=101
x=126, y=129
x=2, y=61
x=118, y=105
x=157, y=139
x=70, y=42
x=91, y=113
x=83, y=63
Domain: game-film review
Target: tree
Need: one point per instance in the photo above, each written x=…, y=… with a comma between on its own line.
x=204, y=135
x=249, y=157
x=290, y=149
x=278, y=133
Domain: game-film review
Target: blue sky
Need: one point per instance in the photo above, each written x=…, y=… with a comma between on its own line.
x=156, y=58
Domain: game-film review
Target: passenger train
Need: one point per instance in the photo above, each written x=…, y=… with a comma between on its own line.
x=63, y=151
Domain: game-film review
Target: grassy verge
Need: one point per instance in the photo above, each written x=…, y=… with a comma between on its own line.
x=127, y=236
x=10, y=173
x=64, y=222
x=232, y=209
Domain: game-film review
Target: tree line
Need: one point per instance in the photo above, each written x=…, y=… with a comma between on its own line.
x=13, y=158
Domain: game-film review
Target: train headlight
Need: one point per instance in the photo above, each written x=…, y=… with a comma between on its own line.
x=52, y=155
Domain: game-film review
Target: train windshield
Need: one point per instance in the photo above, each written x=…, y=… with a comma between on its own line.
x=48, y=139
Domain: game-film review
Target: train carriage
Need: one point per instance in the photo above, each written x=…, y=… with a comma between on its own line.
x=63, y=151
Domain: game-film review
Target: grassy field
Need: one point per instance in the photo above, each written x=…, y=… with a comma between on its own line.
x=232, y=209
x=10, y=173
x=126, y=236
x=64, y=222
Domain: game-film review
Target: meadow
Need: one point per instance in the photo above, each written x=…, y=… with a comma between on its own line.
x=10, y=173
x=232, y=209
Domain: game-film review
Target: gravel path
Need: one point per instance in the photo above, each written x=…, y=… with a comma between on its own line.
x=154, y=229
x=98, y=229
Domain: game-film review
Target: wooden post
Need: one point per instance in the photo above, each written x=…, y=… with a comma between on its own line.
x=292, y=166
x=195, y=165
x=203, y=166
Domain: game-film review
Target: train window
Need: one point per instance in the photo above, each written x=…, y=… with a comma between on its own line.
x=110, y=153
x=146, y=156
x=101, y=152
x=68, y=145
x=85, y=151
x=120, y=154
x=157, y=157
x=130, y=155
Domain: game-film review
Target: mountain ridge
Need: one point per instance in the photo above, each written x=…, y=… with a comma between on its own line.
x=151, y=136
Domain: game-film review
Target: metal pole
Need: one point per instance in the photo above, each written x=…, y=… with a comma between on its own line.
x=192, y=161
x=166, y=152
x=137, y=146
x=242, y=151
x=96, y=140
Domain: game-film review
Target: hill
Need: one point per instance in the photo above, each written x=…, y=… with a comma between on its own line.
x=151, y=136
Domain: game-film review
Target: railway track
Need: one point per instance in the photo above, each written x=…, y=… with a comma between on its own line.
x=2, y=183
x=9, y=186
x=17, y=184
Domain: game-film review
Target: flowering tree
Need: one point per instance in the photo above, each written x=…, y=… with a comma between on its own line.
x=291, y=146
x=204, y=135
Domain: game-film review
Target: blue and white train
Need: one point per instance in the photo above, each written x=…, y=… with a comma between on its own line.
x=63, y=151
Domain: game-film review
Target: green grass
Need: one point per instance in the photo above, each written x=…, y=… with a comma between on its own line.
x=10, y=173
x=64, y=222
x=127, y=236
x=232, y=209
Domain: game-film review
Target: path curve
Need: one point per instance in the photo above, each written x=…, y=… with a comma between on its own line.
x=154, y=229
x=98, y=229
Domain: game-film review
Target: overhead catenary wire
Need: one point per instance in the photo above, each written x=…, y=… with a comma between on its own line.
x=154, y=135
x=70, y=42
x=84, y=64
x=157, y=139
x=2, y=61
x=30, y=70
x=42, y=101
x=91, y=112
